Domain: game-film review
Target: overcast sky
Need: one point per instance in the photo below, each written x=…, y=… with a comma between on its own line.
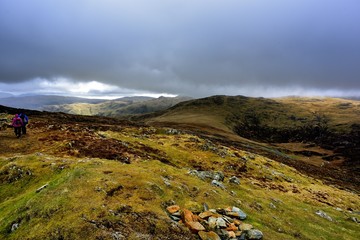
x=180, y=47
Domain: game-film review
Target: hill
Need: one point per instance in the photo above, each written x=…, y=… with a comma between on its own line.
x=118, y=107
x=315, y=131
x=38, y=102
x=92, y=177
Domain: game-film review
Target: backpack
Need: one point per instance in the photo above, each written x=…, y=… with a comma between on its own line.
x=18, y=121
x=24, y=118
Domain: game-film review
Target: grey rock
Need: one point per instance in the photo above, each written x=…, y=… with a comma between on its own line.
x=206, y=207
x=217, y=184
x=242, y=215
x=323, y=215
x=254, y=234
x=354, y=219
x=212, y=222
x=15, y=226
x=271, y=205
x=117, y=236
x=219, y=176
x=234, y=180
x=42, y=188
x=220, y=222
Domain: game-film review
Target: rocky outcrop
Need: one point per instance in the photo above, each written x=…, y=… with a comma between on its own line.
x=216, y=224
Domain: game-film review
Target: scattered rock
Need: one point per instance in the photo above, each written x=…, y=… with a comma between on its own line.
x=221, y=223
x=217, y=184
x=354, y=219
x=42, y=187
x=15, y=226
x=323, y=215
x=271, y=205
x=234, y=180
x=218, y=176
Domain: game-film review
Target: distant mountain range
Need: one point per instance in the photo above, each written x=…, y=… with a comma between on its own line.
x=38, y=102
x=118, y=107
x=5, y=95
x=84, y=106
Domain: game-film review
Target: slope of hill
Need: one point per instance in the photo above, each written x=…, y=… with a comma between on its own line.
x=83, y=177
x=316, y=131
x=37, y=102
x=119, y=107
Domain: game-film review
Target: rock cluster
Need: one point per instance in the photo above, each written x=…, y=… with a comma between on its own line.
x=216, y=224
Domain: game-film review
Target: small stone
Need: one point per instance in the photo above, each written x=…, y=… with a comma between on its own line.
x=323, y=215
x=217, y=184
x=195, y=226
x=245, y=227
x=206, y=207
x=15, y=226
x=231, y=234
x=41, y=188
x=172, y=209
x=271, y=205
x=220, y=222
x=206, y=214
x=232, y=227
x=234, y=180
x=187, y=215
x=354, y=219
x=175, y=218
x=212, y=222
x=236, y=212
x=237, y=222
x=254, y=234
x=209, y=235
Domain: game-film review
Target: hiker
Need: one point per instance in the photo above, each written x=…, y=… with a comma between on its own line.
x=25, y=121
x=17, y=124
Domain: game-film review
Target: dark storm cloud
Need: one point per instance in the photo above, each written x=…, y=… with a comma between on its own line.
x=184, y=47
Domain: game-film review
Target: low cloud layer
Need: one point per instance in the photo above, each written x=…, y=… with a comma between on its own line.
x=193, y=48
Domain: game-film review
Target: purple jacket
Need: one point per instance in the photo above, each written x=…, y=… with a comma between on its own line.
x=17, y=121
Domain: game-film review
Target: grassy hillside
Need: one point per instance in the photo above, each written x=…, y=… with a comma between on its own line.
x=80, y=177
x=320, y=132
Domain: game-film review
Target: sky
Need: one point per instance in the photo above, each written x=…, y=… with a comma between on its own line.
x=197, y=48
